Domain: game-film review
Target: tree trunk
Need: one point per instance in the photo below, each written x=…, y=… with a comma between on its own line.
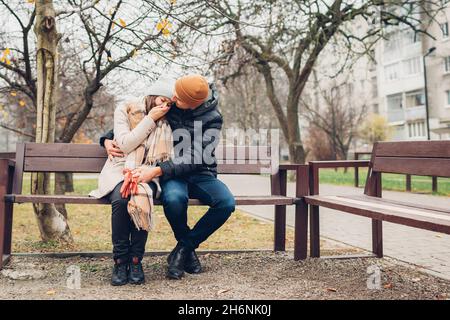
x=63, y=184
x=52, y=224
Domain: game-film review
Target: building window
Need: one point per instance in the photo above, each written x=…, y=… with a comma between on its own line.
x=392, y=72
x=410, y=37
x=412, y=66
x=394, y=102
x=415, y=99
x=444, y=28
x=416, y=129
x=448, y=97
x=447, y=64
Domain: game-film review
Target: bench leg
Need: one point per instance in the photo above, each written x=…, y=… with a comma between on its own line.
x=301, y=231
x=377, y=238
x=280, y=228
x=6, y=210
x=314, y=236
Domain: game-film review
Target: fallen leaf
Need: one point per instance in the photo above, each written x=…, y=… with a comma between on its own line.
x=331, y=289
x=223, y=291
x=50, y=292
x=388, y=286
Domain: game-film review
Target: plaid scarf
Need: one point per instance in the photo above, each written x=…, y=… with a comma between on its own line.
x=158, y=146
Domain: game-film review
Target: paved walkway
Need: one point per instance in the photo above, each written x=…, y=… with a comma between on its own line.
x=426, y=249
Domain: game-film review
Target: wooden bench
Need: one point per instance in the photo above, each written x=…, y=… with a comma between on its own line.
x=84, y=158
x=423, y=158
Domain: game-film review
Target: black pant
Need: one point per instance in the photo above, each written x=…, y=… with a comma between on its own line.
x=128, y=242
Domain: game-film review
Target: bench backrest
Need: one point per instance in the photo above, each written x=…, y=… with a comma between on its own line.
x=90, y=158
x=422, y=158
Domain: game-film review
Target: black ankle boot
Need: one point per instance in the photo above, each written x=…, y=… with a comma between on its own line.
x=172, y=253
x=192, y=264
x=136, y=273
x=176, y=265
x=120, y=273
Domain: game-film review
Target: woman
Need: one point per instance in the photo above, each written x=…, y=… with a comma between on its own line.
x=134, y=132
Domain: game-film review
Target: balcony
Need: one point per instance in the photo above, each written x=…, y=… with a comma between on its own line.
x=415, y=113
x=395, y=115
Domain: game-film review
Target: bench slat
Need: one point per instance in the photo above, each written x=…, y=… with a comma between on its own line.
x=95, y=165
x=407, y=215
x=79, y=150
x=64, y=150
x=58, y=199
x=414, y=149
x=398, y=203
x=438, y=167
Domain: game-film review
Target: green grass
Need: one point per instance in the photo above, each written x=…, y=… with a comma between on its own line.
x=395, y=182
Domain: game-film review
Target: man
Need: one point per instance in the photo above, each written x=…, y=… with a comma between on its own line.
x=192, y=173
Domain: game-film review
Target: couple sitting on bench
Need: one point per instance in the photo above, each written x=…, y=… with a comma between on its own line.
x=142, y=164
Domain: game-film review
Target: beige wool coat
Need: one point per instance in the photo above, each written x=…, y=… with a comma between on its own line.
x=127, y=140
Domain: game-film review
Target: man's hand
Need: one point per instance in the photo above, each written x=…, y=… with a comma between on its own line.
x=112, y=149
x=146, y=174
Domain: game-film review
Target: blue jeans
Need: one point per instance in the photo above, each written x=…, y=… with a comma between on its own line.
x=210, y=191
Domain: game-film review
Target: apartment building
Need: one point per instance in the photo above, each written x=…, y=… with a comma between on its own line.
x=401, y=81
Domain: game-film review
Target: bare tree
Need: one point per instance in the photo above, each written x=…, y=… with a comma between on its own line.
x=288, y=37
x=105, y=40
x=243, y=102
x=334, y=112
x=52, y=224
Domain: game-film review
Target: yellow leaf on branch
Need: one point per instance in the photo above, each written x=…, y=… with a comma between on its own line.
x=13, y=93
x=122, y=23
x=22, y=103
x=30, y=1
x=164, y=27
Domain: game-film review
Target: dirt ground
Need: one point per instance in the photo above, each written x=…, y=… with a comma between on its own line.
x=255, y=275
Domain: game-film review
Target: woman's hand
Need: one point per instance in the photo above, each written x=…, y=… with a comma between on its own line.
x=112, y=149
x=146, y=174
x=158, y=112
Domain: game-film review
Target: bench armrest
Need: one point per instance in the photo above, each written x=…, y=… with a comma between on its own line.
x=301, y=179
x=340, y=163
x=314, y=167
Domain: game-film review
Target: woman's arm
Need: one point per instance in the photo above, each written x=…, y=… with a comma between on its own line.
x=127, y=139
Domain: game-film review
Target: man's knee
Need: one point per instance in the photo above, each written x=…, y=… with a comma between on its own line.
x=227, y=204
x=174, y=197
